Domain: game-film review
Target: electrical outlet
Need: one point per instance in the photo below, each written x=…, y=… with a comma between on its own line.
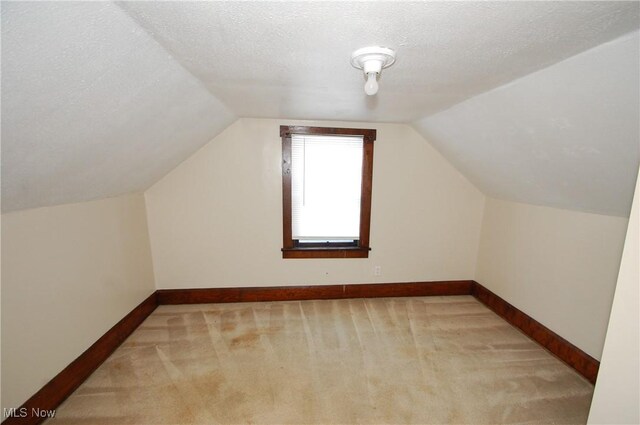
x=377, y=271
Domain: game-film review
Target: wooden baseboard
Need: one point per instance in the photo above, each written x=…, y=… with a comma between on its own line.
x=583, y=363
x=322, y=292
x=63, y=384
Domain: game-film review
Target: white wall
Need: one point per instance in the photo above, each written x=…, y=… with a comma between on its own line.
x=615, y=400
x=69, y=273
x=216, y=220
x=558, y=266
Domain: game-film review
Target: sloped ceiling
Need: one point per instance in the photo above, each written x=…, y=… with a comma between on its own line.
x=101, y=99
x=567, y=136
x=92, y=106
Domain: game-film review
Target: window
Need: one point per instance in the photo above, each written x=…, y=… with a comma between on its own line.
x=326, y=191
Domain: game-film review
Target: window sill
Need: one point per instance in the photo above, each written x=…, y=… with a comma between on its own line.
x=355, y=252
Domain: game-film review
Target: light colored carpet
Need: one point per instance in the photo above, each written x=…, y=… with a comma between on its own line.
x=390, y=360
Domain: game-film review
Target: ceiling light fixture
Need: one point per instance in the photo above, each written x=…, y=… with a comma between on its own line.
x=372, y=60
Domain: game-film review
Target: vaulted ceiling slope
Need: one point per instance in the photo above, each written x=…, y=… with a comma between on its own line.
x=92, y=106
x=567, y=136
x=100, y=99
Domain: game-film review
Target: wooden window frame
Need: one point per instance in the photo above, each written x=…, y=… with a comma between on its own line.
x=328, y=250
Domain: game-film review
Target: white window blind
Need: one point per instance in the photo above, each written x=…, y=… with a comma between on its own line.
x=326, y=180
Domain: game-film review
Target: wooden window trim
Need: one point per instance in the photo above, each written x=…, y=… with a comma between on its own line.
x=363, y=248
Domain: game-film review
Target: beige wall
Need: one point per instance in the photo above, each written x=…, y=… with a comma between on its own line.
x=615, y=400
x=557, y=266
x=216, y=220
x=69, y=273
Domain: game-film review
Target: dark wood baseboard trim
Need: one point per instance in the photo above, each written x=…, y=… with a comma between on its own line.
x=63, y=384
x=583, y=363
x=321, y=292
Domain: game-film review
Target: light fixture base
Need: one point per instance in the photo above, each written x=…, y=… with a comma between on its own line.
x=373, y=59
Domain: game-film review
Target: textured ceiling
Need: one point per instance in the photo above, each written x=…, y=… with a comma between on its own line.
x=92, y=106
x=100, y=99
x=269, y=59
x=567, y=136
